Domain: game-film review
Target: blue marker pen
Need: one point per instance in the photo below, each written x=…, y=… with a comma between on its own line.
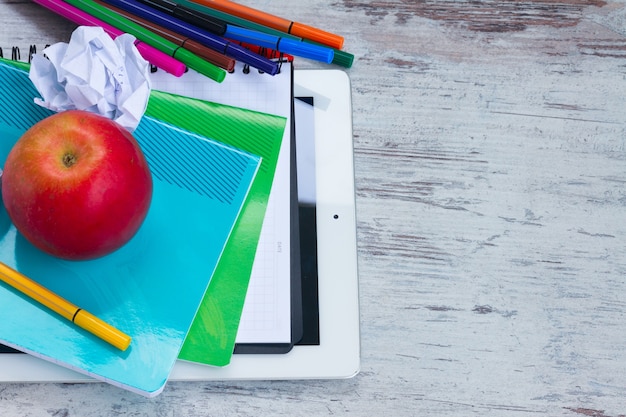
x=254, y=37
x=288, y=46
x=210, y=40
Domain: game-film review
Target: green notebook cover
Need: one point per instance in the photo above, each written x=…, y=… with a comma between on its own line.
x=211, y=339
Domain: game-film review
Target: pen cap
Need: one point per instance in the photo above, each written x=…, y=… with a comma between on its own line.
x=343, y=58
x=101, y=329
x=198, y=64
x=317, y=35
x=306, y=50
x=255, y=60
x=162, y=60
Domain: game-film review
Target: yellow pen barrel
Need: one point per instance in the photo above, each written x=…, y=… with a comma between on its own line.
x=63, y=307
x=37, y=292
x=104, y=331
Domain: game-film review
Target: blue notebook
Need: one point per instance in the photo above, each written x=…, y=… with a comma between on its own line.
x=150, y=288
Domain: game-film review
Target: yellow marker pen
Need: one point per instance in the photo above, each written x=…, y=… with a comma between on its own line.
x=80, y=317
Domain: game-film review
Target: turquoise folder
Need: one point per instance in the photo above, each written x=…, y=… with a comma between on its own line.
x=152, y=287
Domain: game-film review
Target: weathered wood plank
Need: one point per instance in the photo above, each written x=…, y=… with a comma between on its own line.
x=490, y=164
x=483, y=16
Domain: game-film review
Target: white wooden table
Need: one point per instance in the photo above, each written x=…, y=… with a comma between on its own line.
x=491, y=194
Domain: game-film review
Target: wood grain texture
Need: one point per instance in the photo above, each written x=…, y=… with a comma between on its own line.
x=484, y=16
x=491, y=202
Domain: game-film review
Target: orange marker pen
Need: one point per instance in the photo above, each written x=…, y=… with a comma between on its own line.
x=294, y=28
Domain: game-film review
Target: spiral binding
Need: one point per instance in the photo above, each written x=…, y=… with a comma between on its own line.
x=267, y=53
x=16, y=54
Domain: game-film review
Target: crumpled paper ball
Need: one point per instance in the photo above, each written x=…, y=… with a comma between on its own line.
x=95, y=73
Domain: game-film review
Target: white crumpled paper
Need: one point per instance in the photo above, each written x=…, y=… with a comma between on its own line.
x=94, y=73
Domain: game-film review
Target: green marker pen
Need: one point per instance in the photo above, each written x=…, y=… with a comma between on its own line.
x=190, y=59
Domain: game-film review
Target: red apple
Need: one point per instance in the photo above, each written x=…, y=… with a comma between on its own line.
x=77, y=185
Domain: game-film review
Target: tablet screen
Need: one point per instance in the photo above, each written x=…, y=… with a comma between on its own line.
x=305, y=160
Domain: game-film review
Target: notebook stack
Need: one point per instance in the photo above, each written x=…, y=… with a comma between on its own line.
x=179, y=286
x=215, y=268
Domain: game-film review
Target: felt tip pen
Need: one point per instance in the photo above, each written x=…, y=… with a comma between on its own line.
x=150, y=54
x=341, y=58
x=206, y=38
x=202, y=51
x=301, y=49
x=284, y=25
x=64, y=308
x=191, y=60
x=219, y=27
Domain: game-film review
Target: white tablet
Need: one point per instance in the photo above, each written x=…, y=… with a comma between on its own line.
x=325, y=181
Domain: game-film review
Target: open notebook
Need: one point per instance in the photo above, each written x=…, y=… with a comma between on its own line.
x=262, y=281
